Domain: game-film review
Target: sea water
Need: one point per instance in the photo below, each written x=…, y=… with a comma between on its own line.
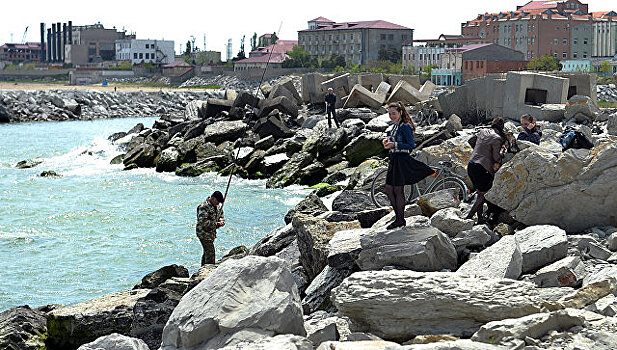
x=98, y=229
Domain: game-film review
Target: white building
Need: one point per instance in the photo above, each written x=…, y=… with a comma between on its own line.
x=145, y=51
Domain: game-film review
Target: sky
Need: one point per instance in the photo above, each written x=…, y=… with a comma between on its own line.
x=223, y=20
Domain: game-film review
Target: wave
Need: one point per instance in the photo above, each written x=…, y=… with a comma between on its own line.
x=85, y=160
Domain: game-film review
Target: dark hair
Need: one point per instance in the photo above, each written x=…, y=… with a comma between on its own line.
x=405, y=117
x=498, y=125
x=219, y=196
x=530, y=119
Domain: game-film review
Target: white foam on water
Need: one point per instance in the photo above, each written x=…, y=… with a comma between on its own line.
x=85, y=160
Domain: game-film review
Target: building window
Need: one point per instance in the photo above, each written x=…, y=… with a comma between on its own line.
x=575, y=41
x=135, y=55
x=565, y=41
x=147, y=46
x=141, y=55
x=556, y=28
x=585, y=41
x=350, y=36
x=555, y=54
x=564, y=55
x=404, y=37
x=555, y=41
x=585, y=54
x=574, y=54
x=382, y=37
x=390, y=36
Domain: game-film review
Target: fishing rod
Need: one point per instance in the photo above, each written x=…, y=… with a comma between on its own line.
x=233, y=166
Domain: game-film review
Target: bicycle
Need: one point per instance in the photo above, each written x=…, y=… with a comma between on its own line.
x=443, y=178
x=427, y=115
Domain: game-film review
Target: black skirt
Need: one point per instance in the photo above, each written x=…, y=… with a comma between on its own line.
x=403, y=170
x=481, y=179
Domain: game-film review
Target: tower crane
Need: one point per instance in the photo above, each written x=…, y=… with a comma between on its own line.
x=23, y=39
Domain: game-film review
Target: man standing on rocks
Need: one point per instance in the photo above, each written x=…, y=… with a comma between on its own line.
x=331, y=107
x=209, y=218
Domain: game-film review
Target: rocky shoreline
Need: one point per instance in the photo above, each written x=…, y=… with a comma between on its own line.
x=543, y=277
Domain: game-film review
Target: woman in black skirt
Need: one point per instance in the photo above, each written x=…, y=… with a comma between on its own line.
x=402, y=168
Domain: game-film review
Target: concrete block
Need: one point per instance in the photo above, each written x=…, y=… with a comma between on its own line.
x=501, y=260
x=281, y=90
x=413, y=80
x=288, y=83
x=370, y=81
x=265, y=88
x=360, y=96
x=312, y=91
x=214, y=106
x=406, y=93
x=282, y=103
x=382, y=92
x=552, y=112
x=340, y=85
x=427, y=89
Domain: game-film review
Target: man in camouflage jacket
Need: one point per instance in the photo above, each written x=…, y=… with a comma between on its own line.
x=209, y=218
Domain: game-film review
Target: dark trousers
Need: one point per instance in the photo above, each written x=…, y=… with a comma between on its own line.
x=208, y=256
x=332, y=111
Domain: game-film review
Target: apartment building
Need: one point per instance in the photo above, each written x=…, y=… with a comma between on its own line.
x=564, y=29
x=145, y=51
x=359, y=42
x=418, y=54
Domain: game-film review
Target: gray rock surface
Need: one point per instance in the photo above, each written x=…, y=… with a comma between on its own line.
x=451, y=222
x=22, y=328
x=115, y=341
x=418, y=247
x=74, y=325
x=534, y=326
x=501, y=260
x=431, y=203
x=554, y=182
x=475, y=237
x=253, y=292
x=318, y=292
x=394, y=304
x=541, y=245
x=567, y=272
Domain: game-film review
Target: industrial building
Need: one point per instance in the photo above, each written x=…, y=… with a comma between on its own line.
x=145, y=51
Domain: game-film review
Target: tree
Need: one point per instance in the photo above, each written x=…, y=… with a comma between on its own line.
x=298, y=58
x=188, y=49
x=333, y=61
x=392, y=54
x=241, y=55
x=545, y=63
x=605, y=68
x=254, y=42
x=273, y=38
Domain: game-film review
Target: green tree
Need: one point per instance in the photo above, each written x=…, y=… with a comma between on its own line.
x=333, y=61
x=545, y=63
x=273, y=38
x=254, y=42
x=298, y=58
x=392, y=54
x=188, y=49
x=605, y=68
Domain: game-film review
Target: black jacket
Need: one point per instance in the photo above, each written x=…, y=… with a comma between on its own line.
x=331, y=100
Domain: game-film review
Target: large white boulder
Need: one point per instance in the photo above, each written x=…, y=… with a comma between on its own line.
x=253, y=292
x=574, y=190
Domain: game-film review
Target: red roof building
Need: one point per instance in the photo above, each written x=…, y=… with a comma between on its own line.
x=273, y=55
x=358, y=42
x=28, y=52
x=564, y=29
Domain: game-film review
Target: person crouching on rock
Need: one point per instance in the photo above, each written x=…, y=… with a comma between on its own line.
x=484, y=162
x=531, y=132
x=209, y=218
x=403, y=169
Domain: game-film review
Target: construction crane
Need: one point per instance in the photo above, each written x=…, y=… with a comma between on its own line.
x=23, y=39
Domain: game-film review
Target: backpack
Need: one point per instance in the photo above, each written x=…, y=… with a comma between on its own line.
x=574, y=139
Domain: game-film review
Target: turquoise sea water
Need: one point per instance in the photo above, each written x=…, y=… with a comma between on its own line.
x=98, y=229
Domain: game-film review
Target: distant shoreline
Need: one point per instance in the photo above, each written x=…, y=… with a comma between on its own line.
x=8, y=85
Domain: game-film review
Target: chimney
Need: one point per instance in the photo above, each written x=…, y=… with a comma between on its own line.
x=59, y=42
x=70, y=32
x=48, y=45
x=42, y=42
x=53, y=42
x=63, y=40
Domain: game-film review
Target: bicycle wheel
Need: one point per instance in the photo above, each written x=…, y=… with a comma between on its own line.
x=378, y=190
x=433, y=117
x=461, y=190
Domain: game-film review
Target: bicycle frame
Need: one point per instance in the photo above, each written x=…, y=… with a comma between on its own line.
x=438, y=174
